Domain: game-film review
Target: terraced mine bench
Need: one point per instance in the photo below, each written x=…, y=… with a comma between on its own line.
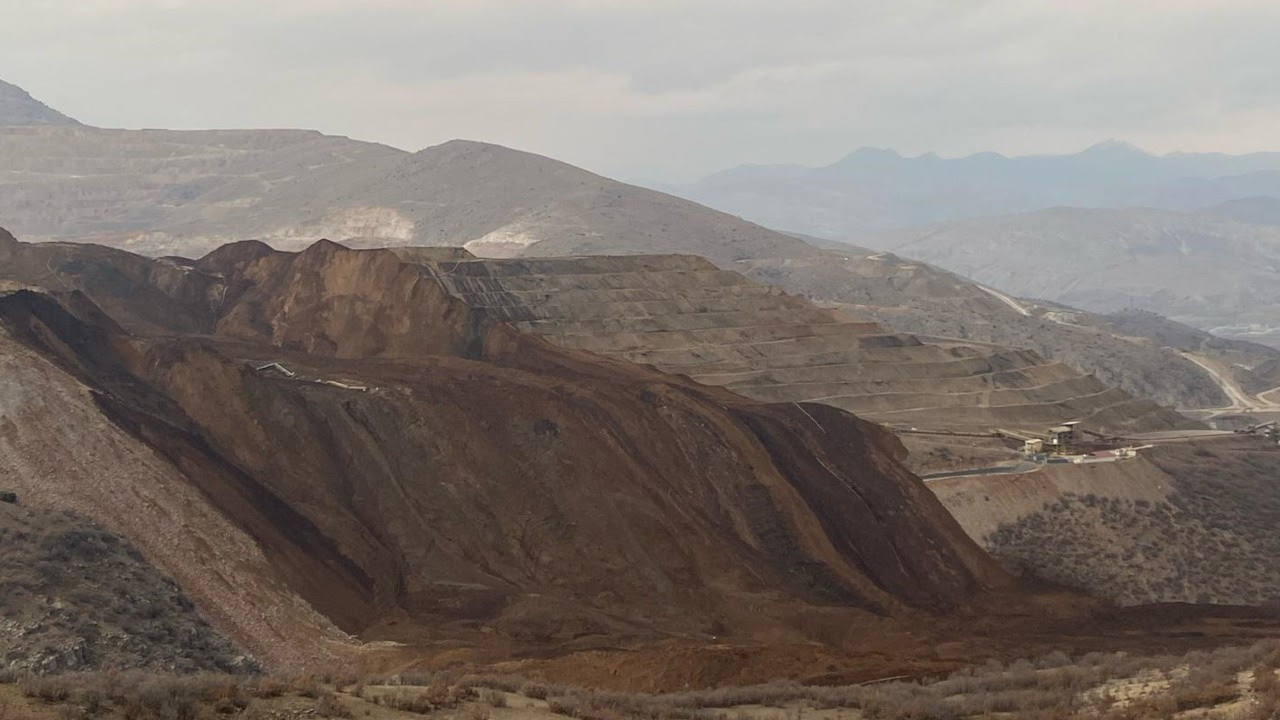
x=684, y=315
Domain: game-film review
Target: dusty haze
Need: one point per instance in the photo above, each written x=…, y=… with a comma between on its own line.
x=670, y=90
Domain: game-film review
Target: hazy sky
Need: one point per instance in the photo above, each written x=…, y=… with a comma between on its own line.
x=669, y=88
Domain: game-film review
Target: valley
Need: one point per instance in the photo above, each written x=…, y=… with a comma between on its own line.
x=294, y=425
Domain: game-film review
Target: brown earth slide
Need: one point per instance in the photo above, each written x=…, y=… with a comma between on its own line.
x=461, y=479
x=327, y=449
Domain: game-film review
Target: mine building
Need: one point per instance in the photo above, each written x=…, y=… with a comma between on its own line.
x=1064, y=435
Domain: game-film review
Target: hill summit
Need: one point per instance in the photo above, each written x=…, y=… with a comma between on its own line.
x=18, y=108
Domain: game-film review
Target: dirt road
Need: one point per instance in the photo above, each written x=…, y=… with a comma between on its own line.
x=1005, y=299
x=1240, y=400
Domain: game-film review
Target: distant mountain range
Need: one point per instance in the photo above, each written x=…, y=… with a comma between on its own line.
x=1200, y=269
x=872, y=190
x=1194, y=236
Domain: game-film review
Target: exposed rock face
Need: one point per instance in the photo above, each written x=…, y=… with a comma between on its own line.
x=452, y=477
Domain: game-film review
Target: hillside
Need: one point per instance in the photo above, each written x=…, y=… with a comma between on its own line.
x=1258, y=210
x=184, y=193
x=18, y=108
x=425, y=474
x=1183, y=523
x=1255, y=367
x=872, y=190
x=1205, y=272
x=77, y=598
x=913, y=297
x=683, y=315
x=138, y=189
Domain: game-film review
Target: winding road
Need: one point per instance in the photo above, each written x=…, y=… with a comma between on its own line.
x=1018, y=469
x=1005, y=299
x=1240, y=400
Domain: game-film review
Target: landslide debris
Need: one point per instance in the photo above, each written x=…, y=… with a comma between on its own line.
x=425, y=473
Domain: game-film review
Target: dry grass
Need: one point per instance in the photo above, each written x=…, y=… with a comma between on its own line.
x=1111, y=686
x=1051, y=687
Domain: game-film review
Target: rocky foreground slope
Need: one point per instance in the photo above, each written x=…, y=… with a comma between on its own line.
x=414, y=470
x=75, y=597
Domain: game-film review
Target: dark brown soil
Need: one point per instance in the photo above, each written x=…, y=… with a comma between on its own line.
x=425, y=474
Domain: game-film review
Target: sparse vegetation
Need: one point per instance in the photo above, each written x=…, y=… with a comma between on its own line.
x=1111, y=686
x=77, y=598
x=1055, y=686
x=1212, y=540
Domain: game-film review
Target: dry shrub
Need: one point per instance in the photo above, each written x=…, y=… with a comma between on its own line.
x=307, y=687
x=493, y=698
x=268, y=687
x=136, y=695
x=537, y=691
x=431, y=699
x=1266, y=690
x=48, y=688
x=328, y=705
x=562, y=706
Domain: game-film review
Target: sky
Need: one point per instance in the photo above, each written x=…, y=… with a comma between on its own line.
x=669, y=90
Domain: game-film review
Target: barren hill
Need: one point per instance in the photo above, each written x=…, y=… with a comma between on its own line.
x=1257, y=210
x=184, y=193
x=17, y=107
x=684, y=315
x=914, y=297
x=415, y=470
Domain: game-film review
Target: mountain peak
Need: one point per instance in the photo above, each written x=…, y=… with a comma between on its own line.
x=18, y=108
x=872, y=153
x=1114, y=147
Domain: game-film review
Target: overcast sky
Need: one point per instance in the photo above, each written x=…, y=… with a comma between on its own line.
x=669, y=88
